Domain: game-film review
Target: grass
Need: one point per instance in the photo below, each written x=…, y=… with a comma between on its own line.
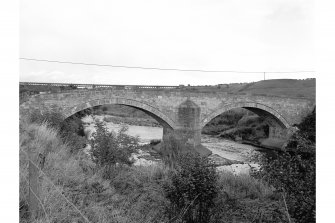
x=243, y=186
x=283, y=87
x=133, y=194
x=129, y=197
x=245, y=199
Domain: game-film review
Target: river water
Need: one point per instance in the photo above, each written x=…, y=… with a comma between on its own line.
x=238, y=155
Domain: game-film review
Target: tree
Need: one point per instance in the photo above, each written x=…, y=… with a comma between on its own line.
x=110, y=148
x=293, y=171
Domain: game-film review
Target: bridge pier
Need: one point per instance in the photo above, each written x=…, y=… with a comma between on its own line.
x=278, y=137
x=277, y=133
x=189, y=128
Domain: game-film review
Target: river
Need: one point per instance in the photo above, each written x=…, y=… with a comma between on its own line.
x=239, y=156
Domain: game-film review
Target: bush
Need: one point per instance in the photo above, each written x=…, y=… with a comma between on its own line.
x=109, y=148
x=142, y=193
x=192, y=189
x=241, y=198
x=293, y=172
x=59, y=166
x=52, y=118
x=77, y=178
x=171, y=148
x=70, y=130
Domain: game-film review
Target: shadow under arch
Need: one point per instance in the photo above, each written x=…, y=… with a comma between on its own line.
x=163, y=119
x=271, y=115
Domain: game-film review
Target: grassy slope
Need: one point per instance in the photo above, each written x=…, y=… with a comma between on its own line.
x=118, y=200
x=283, y=87
x=133, y=194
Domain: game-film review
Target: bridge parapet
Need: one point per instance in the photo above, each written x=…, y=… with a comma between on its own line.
x=197, y=89
x=90, y=86
x=291, y=109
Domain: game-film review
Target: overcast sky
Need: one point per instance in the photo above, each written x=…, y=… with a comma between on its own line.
x=241, y=35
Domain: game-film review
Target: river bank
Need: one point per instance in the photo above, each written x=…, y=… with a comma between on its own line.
x=262, y=143
x=227, y=155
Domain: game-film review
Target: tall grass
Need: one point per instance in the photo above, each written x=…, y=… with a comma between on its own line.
x=245, y=199
x=132, y=194
x=243, y=186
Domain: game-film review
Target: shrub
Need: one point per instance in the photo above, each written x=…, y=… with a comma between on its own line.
x=70, y=130
x=242, y=198
x=293, y=172
x=140, y=194
x=59, y=166
x=242, y=186
x=77, y=178
x=110, y=148
x=54, y=119
x=171, y=148
x=192, y=189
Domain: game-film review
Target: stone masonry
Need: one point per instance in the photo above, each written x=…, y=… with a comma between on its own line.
x=180, y=110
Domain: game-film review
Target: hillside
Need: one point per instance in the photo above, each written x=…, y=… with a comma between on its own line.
x=283, y=87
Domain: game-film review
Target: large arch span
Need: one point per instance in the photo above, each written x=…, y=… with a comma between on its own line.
x=274, y=118
x=168, y=107
x=149, y=109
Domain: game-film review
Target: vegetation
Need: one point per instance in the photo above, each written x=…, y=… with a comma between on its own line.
x=292, y=172
x=283, y=87
x=238, y=124
x=192, y=189
x=109, y=148
x=105, y=187
x=130, y=195
x=171, y=149
x=71, y=130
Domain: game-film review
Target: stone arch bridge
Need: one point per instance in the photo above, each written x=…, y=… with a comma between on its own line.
x=183, y=110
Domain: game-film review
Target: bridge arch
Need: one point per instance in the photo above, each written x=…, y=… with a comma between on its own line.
x=149, y=109
x=273, y=117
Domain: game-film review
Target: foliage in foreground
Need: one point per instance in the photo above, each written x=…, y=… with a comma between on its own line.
x=131, y=195
x=192, y=189
x=110, y=148
x=70, y=130
x=293, y=172
x=139, y=194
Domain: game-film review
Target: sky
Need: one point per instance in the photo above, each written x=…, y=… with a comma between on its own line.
x=238, y=35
